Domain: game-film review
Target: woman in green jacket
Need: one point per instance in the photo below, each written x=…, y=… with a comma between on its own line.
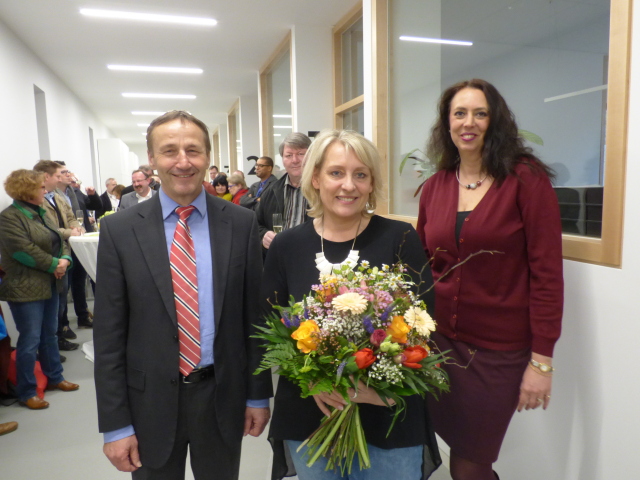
x=34, y=258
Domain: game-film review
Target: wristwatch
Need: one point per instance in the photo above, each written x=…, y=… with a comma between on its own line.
x=543, y=367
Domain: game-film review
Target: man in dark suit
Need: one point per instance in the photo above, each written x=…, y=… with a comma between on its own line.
x=150, y=408
x=109, y=201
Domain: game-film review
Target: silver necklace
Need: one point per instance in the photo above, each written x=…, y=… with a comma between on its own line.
x=325, y=266
x=470, y=186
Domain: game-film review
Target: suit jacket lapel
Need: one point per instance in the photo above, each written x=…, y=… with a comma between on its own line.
x=220, y=236
x=149, y=232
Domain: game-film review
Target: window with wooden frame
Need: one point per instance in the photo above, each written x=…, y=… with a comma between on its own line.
x=348, y=51
x=276, y=119
x=215, y=147
x=235, y=137
x=565, y=76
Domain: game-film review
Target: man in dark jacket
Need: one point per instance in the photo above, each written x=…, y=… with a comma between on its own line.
x=264, y=167
x=284, y=196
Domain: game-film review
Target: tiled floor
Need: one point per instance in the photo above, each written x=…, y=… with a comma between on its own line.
x=62, y=442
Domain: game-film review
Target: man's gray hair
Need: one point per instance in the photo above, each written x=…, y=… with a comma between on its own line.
x=109, y=180
x=295, y=140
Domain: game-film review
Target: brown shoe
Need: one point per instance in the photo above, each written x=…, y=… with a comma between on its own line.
x=64, y=386
x=8, y=427
x=35, y=403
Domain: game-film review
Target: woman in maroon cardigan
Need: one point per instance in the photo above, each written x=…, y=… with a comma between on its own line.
x=499, y=312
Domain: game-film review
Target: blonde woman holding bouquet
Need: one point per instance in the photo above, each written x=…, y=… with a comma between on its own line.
x=341, y=181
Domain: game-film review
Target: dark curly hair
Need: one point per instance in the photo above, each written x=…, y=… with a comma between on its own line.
x=503, y=147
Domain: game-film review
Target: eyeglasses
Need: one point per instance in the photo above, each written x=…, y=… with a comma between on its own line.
x=64, y=172
x=260, y=165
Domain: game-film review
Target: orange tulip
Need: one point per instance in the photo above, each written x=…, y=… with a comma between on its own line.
x=364, y=357
x=413, y=356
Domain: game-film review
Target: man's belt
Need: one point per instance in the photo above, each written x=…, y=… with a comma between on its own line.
x=198, y=375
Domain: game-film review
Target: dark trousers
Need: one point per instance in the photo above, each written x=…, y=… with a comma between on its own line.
x=63, y=320
x=78, y=280
x=211, y=457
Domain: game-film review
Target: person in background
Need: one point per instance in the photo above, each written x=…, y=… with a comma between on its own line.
x=59, y=212
x=285, y=196
x=213, y=173
x=237, y=187
x=239, y=172
x=117, y=192
x=35, y=259
x=148, y=171
x=499, y=314
x=221, y=185
x=143, y=191
x=264, y=167
x=108, y=198
x=174, y=352
x=342, y=181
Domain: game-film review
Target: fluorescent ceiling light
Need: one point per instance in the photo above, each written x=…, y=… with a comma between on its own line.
x=576, y=93
x=282, y=116
x=159, y=95
x=148, y=17
x=155, y=114
x=435, y=40
x=136, y=68
x=282, y=126
x=277, y=135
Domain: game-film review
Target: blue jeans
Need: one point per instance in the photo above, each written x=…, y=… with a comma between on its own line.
x=37, y=323
x=400, y=463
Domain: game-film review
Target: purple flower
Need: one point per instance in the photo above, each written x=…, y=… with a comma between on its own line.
x=306, y=314
x=368, y=326
x=295, y=321
x=341, y=367
x=385, y=315
x=285, y=319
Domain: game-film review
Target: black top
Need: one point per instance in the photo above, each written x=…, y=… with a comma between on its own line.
x=290, y=269
x=460, y=218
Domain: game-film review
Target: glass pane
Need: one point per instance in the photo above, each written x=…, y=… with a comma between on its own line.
x=549, y=61
x=354, y=119
x=352, y=62
x=279, y=104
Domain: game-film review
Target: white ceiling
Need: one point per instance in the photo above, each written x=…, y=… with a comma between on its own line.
x=78, y=49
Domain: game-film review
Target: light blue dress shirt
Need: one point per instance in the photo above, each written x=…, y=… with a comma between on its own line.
x=199, y=225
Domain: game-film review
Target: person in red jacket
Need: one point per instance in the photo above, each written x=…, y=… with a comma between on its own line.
x=237, y=187
x=500, y=312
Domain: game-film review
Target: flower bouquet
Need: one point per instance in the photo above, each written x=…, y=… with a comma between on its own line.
x=366, y=326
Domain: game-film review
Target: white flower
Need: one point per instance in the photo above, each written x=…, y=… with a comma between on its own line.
x=420, y=320
x=351, y=301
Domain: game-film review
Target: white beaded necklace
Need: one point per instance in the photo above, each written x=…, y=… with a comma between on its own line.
x=325, y=266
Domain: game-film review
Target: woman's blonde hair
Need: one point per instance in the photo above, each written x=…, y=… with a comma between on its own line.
x=23, y=184
x=363, y=149
x=237, y=179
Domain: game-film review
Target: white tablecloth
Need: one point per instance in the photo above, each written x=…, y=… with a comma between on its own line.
x=86, y=249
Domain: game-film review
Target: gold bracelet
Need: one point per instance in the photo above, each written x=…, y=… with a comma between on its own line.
x=541, y=368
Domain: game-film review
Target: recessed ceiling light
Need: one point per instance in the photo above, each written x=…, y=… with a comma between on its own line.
x=159, y=95
x=282, y=126
x=137, y=68
x=148, y=17
x=156, y=114
x=436, y=40
x=282, y=116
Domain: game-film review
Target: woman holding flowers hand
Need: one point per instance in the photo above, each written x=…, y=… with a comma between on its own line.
x=341, y=182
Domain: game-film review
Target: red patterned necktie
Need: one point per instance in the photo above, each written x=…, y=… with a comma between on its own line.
x=185, y=291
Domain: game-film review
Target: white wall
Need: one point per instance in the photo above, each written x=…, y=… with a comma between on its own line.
x=68, y=119
x=311, y=74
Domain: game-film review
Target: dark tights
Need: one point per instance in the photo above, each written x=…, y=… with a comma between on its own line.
x=462, y=469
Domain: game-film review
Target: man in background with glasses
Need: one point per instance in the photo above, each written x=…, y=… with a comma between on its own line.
x=264, y=167
x=285, y=197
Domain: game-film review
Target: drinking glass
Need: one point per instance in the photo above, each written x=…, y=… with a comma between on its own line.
x=277, y=222
x=80, y=218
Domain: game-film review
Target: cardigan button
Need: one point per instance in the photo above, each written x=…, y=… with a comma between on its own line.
x=455, y=299
x=455, y=316
x=462, y=240
x=174, y=382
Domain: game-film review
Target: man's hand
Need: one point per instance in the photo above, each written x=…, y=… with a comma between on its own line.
x=76, y=231
x=255, y=419
x=123, y=454
x=90, y=190
x=268, y=238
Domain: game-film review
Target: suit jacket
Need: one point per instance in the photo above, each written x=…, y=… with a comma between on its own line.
x=136, y=332
x=130, y=199
x=86, y=203
x=250, y=200
x=106, y=204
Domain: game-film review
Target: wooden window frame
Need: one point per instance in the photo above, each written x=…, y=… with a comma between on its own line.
x=341, y=107
x=606, y=250
x=265, y=96
x=215, y=147
x=234, y=111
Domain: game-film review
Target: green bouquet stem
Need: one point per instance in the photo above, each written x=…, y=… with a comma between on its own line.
x=339, y=437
